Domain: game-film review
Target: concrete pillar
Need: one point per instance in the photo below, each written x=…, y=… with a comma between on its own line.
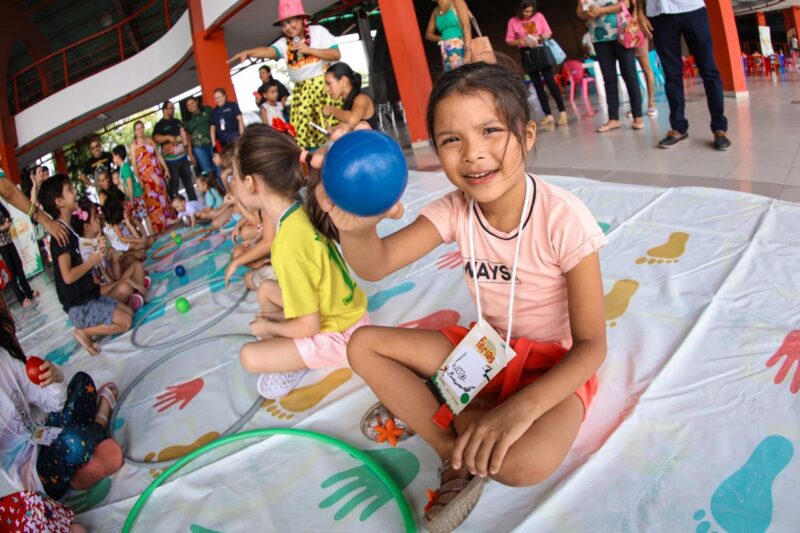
x=410, y=65
x=727, y=50
x=210, y=56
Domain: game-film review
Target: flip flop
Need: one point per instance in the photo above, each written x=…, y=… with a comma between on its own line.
x=636, y=126
x=605, y=127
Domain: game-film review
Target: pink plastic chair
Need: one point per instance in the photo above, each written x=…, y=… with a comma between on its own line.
x=577, y=76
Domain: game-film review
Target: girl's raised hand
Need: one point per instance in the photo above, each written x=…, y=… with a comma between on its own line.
x=48, y=374
x=347, y=223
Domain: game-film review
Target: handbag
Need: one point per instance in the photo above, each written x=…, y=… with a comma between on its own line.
x=537, y=58
x=630, y=35
x=481, y=45
x=558, y=53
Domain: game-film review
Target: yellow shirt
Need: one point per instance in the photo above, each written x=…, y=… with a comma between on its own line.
x=312, y=274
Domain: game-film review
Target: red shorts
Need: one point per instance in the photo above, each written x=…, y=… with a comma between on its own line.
x=532, y=361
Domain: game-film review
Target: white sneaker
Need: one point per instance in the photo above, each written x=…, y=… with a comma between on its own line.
x=276, y=385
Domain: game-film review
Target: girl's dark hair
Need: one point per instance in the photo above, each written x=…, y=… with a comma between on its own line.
x=507, y=87
x=84, y=204
x=210, y=181
x=274, y=158
x=523, y=5
x=342, y=70
x=52, y=189
x=8, y=336
x=114, y=208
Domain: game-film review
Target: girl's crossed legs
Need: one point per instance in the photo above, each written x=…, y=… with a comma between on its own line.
x=395, y=361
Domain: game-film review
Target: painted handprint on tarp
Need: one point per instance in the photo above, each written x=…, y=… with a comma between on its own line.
x=179, y=394
x=401, y=464
x=790, y=349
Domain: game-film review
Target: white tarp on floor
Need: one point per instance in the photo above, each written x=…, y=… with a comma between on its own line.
x=689, y=430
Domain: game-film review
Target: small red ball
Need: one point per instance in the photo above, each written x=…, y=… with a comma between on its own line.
x=32, y=369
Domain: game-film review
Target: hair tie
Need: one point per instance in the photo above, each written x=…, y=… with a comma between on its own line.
x=283, y=127
x=81, y=214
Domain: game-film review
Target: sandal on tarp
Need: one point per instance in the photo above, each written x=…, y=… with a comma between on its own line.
x=449, y=506
x=380, y=425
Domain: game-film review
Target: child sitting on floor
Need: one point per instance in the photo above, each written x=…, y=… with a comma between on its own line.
x=52, y=436
x=217, y=211
x=90, y=312
x=127, y=285
x=313, y=307
x=187, y=210
x=120, y=235
x=530, y=253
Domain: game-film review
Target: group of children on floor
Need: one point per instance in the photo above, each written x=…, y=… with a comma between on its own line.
x=548, y=304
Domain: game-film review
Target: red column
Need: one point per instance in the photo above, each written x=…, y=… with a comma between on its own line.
x=210, y=56
x=761, y=18
x=60, y=161
x=727, y=50
x=794, y=13
x=409, y=62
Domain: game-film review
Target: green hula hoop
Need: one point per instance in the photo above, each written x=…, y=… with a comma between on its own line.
x=405, y=509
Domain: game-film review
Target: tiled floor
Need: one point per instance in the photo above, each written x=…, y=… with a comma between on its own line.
x=764, y=159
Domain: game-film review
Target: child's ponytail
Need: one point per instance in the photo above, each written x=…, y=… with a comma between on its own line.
x=273, y=157
x=321, y=220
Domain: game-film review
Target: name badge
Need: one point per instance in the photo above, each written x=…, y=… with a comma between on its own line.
x=474, y=362
x=45, y=436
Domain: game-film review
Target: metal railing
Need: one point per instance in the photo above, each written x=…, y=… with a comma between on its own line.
x=92, y=54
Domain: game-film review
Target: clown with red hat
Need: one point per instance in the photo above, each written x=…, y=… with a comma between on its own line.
x=308, y=50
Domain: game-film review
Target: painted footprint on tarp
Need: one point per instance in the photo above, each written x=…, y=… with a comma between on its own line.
x=436, y=320
x=790, y=349
x=401, y=464
x=63, y=353
x=304, y=398
x=617, y=301
x=379, y=299
x=743, y=502
x=179, y=450
x=88, y=499
x=669, y=252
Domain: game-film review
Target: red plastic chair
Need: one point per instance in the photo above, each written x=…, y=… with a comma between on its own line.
x=577, y=75
x=688, y=68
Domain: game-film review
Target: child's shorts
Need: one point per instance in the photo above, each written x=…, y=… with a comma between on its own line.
x=532, y=361
x=262, y=274
x=97, y=312
x=33, y=511
x=325, y=350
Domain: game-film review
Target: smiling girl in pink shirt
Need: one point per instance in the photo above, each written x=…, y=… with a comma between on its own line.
x=515, y=230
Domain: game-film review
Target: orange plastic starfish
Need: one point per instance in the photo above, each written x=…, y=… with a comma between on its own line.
x=389, y=433
x=433, y=495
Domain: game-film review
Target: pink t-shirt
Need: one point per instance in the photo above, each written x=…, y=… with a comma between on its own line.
x=558, y=234
x=536, y=25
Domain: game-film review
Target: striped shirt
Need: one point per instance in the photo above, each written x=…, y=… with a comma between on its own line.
x=672, y=7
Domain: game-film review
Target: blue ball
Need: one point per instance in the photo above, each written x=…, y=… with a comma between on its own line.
x=365, y=173
x=180, y=271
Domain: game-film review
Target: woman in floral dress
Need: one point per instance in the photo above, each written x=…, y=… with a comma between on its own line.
x=152, y=173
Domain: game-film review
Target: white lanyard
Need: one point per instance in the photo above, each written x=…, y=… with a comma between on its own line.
x=513, y=268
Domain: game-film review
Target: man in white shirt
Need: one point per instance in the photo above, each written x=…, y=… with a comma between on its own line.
x=667, y=21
